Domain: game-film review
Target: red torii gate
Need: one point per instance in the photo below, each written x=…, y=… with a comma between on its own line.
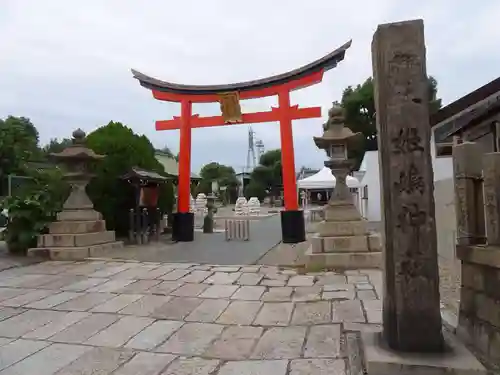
x=292, y=219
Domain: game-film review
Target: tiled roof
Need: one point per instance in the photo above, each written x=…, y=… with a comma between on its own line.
x=171, y=165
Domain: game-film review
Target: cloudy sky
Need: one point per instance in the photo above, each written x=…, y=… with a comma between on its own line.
x=66, y=64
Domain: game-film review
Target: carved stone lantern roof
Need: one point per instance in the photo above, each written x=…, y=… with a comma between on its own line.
x=334, y=131
x=78, y=150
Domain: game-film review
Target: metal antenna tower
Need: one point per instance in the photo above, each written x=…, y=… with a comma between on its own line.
x=251, y=156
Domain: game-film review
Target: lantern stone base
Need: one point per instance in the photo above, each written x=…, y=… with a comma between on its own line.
x=343, y=241
x=342, y=261
x=76, y=253
x=77, y=235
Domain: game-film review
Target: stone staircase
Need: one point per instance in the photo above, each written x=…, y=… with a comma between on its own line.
x=343, y=241
x=76, y=235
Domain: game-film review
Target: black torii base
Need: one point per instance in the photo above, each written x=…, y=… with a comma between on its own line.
x=293, y=227
x=183, y=226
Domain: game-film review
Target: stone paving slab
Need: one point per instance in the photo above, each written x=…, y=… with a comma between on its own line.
x=124, y=318
x=146, y=364
x=47, y=361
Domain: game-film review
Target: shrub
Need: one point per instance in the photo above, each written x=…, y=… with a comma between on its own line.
x=166, y=198
x=124, y=149
x=254, y=189
x=32, y=209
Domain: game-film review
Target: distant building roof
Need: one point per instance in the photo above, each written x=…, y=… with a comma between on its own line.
x=41, y=165
x=139, y=173
x=466, y=111
x=466, y=101
x=171, y=165
x=244, y=174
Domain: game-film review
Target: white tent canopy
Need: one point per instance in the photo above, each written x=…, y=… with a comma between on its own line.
x=324, y=179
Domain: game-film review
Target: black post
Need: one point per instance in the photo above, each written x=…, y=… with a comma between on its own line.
x=138, y=226
x=293, y=228
x=183, y=226
x=131, y=221
x=145, y=232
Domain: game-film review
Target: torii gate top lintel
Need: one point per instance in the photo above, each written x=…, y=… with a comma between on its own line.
x=304, y=76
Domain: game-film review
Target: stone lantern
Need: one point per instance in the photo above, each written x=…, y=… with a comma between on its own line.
x=80, y=231
x=342, y=240
x=337, y=140
x=208, y=220
x=76, y=160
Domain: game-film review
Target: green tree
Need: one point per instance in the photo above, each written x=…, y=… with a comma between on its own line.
x=223, y=174
x=18, y=144
x=255, y=189
x=270, y=158
x=55, y=145
x=268, y=174
x=263, y=176
x=359, y=110
x=203, y=186
x=123, y=149
x=34, y=204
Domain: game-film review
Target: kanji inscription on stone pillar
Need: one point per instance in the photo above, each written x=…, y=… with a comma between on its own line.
x=411, y=308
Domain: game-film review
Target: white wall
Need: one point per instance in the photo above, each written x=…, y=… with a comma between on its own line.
x=442, y=166
x=371, y=179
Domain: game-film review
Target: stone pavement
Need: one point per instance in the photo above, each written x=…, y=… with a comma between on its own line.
x=265, y=234
x=8, y=260
x=122, y=318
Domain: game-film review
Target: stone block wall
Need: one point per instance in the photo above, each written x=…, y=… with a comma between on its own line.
x=479, y=319
x=477, y=209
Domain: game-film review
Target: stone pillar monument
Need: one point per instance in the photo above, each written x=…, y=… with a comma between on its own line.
x=412, y=339
x=343, y=240
x=79, y=232
x=412, y=320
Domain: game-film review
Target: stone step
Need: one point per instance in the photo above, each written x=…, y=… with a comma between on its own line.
x=346, y=244
x=346, y=260
x=76, y=253
x=79, y=215
x=77, y=227
x=75, y=240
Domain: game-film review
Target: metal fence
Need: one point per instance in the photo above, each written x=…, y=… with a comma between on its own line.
x=12, y=185
x=237, y=229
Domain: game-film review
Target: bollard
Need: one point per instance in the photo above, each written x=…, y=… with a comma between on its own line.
x=131, y=234
x=144, y=226
x=158, y=227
